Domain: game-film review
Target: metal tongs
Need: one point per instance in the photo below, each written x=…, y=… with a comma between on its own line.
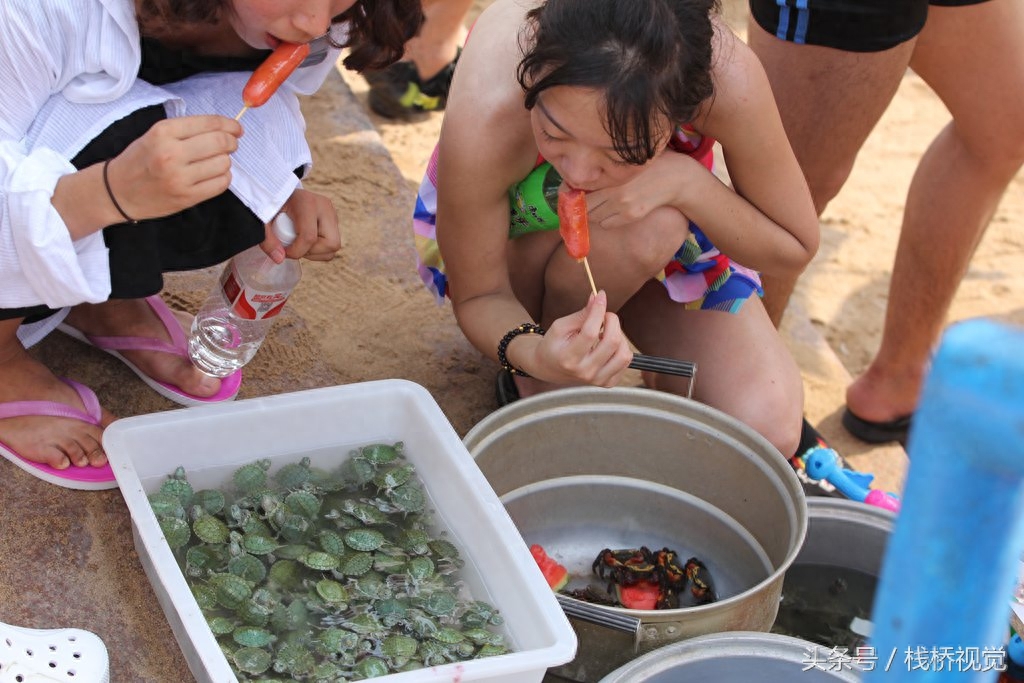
x=667, y=366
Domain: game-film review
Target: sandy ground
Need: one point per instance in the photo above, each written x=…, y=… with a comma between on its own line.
x=65, y=554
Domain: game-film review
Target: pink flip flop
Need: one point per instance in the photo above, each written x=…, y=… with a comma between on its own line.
x=179, y=346
x=74, y=477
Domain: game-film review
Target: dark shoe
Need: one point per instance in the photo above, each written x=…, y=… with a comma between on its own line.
x=878, y=432
x=505, y=390
x=810, y=439
x=397, y=91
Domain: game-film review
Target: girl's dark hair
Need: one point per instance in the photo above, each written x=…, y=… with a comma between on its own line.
x=379, y=31
x=651, y=58
x=377, y=36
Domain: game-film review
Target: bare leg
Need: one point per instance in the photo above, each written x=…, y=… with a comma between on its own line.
x=744, y=368
x=830, y=100
x=971, y=56
x=551, y=284
x=135, y=318
x=442, y=34
x=58, y=442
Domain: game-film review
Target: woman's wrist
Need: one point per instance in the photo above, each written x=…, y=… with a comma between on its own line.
x=81, y=200
x=527, y=328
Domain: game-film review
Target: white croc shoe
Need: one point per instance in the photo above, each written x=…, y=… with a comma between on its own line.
x=68, y=655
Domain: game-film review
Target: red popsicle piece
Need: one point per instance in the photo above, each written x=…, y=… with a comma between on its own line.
x=572, y=223
x=274, y=71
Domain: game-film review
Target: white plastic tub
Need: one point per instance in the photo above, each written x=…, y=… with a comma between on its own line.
x=211, y=441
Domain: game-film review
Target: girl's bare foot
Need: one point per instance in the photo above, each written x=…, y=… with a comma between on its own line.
x=59, y=442
x=135, y=318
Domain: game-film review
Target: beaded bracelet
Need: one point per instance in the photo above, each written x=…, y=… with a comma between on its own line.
x=524, y=328
x=110, y=193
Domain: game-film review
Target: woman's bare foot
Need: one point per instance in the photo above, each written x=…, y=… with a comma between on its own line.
x=135, y=318
x=59, y=442
x=883, y=395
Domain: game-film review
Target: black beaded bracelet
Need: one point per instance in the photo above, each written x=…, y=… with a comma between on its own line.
x=525, y=328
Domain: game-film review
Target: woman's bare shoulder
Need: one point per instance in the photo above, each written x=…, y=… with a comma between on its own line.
x=741, y=87
x=485, y=118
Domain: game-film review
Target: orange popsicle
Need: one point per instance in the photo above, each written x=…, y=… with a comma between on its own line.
x=574, y=228
x=274, y=71
x=572, y=223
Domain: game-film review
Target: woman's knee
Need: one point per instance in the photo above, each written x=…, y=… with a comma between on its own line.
x=654, y=242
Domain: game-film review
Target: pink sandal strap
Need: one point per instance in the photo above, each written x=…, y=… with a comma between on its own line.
x=92, y=414
x=178, y=345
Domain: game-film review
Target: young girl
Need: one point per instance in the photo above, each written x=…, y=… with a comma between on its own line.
x=624, y=100
x=120, y=159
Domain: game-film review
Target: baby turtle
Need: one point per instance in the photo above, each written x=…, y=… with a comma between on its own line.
x=393, y=477
x=398, y=649
x=408, y=497
x=249, y=636
x=166, y=504
x=177, y=485
x=294, y=474
x=220, y=626
x=252, y=477
x=211, y=500
x=303, y=503
x=248, y=567
x=365, y=540
x=381, y=453
x=252, y=660
x=232, y=590
x=176, y=531
x=207, y=527
x=333, y=592
x=356, y=564
x=371, y=667
x=491, y=650
x=285, y=574
x=320, y=561
x=294, y=659
x=332, y=542
x=335, y=640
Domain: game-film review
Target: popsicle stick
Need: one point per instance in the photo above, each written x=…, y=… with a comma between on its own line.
x=244, y=109
x=590, y=276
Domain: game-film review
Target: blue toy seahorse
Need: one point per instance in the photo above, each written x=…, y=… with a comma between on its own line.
x=824, y=463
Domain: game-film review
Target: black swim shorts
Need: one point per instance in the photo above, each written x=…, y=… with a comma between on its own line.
x=852, y=25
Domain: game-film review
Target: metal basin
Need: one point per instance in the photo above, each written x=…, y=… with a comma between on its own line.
x=844, y=533
x=735, y=658
x=829, y=591
x=587, y=468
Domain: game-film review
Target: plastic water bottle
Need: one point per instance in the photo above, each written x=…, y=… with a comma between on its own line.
x=534, y=201
x=238, y=314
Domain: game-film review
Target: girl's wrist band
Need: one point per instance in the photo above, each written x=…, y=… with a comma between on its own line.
x=110, y=193
x=524, y=328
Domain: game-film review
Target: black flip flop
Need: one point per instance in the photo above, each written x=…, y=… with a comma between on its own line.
x=878, y=432
x=505, y=390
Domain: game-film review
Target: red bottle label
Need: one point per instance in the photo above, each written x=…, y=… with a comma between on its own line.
x=249, y=303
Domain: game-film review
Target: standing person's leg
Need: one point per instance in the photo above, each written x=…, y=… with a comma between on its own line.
x=420, y=82
x=438, y=42
x=973, y=58
x=830, y=100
